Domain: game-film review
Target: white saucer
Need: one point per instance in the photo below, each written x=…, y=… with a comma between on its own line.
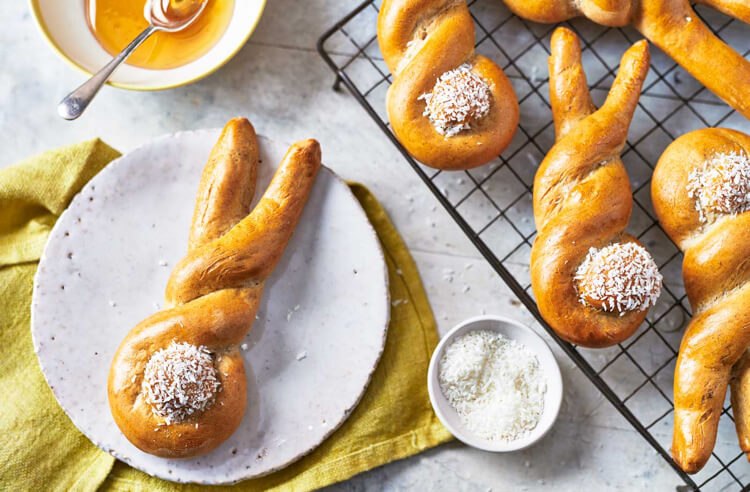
x=309, y=357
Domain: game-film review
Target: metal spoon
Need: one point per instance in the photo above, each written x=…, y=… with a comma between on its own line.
x=162, y=15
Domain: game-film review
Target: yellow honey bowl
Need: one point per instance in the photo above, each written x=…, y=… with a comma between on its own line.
x=64, y=26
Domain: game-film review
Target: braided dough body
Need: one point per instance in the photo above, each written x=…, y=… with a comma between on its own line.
x=716, y=271
x=673, y=26
x=582, y=196
x=214, y=292
x=421, y=40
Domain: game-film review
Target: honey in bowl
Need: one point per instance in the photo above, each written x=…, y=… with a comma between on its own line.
x=115, y=23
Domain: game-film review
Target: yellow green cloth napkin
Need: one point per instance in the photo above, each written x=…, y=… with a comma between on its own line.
x=42, y=450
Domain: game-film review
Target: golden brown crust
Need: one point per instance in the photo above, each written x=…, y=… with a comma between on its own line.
x=673, y=26
x=582, y=196
x=220, y=203
x=715, y=339
x=214, y=306
x=248, y=253
x=421, y=40
x=740, y=383
x=219, y=321
x=717, y=275
x=613, y=13
x=739, y=9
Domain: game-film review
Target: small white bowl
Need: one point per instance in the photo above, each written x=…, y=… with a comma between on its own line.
x=512, y=330
x=63, y=25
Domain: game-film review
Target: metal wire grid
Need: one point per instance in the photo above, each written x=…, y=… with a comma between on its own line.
x=492, y=204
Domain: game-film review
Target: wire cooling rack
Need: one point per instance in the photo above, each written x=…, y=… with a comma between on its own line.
x=492, y=204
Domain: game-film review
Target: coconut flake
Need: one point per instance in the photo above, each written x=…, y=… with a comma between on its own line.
x=458, y=98
x=179, y=381
x=619, y=278
x=495, y=385
x=721, y=186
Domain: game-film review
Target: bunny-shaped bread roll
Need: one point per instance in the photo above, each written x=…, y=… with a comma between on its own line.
x=449, y=107
x=593, y=282
x=177, y=382
x=701, y=194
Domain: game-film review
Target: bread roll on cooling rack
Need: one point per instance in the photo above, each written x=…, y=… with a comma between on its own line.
x=448, y=106
x=701, y=194
x=673, y=26
x=593, y=282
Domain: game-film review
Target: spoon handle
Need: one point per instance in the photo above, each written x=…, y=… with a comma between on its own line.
x=75, y=103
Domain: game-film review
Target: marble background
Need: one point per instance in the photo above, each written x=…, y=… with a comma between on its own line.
x=280, y=83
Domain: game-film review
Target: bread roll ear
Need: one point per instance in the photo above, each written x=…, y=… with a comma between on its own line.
x=227, y=184
x=740, y=384
x=626, y=89
x=248, y=252
x=673, y=26
x=739, y=9
x=569, y=90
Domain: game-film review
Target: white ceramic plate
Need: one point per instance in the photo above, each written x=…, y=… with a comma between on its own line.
x=63, y=25
x=512, y=330
x=309, y=357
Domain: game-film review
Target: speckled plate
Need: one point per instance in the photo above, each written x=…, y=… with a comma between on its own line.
x=309, y=356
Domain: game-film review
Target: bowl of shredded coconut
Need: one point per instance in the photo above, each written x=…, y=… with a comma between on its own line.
x=495, y=384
